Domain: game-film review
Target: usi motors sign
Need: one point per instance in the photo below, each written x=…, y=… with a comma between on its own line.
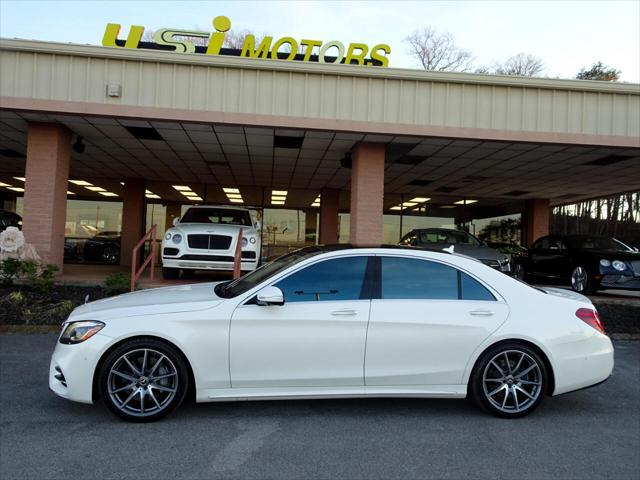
x=285, y=48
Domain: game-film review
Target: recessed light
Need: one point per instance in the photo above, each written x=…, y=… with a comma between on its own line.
x=16, y=189
x=108, y=194
x=279, y=192
x=236, y=200
x=187, y=193
x=314, y=204
x=277, y=202
x=181, y=188
x=234, y=195
x=397, y=207
x=230, y=190
x=195, y=199
x=96, y=189
x=22, y=179
x=69, y=192
x=420, y=199
x=152, y=195
x=82, y=183
x=465, y=202
x=278, y=197
x=2, y=184
x=409, y=204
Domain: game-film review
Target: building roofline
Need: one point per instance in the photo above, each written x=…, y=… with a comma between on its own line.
x=58, y=48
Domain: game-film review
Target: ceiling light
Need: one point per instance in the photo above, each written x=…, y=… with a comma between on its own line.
x=69, y=192
x=447, y=206
x=236, y=200
x=96, y=189
x=397, y=207
x=277, y=202
x=409, y=204
x=279, y=192
x=195, y=199
x=181, y=188
x=152, y=195
x=122, y=183
x=2, y=184
x=314, y=204
x=278, y=197
x=20, y=178
x=465, y=202
x=108, y=194
x=16, y=189
x=188, y=193
x=230, y=190
x=234, y=195
x=420, y=199
x=82, y=183
x=146, y=191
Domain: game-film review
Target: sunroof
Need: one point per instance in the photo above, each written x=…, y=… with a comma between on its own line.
x=281, y=141
x=144, y=133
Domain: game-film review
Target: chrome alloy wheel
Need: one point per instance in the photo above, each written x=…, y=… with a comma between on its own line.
x=579, y=279
x=142, y=382
x=512, y=381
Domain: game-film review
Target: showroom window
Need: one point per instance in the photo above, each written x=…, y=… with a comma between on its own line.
x=335, y=279
x=414, y=279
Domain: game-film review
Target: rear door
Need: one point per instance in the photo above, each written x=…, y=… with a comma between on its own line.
x=426, y=321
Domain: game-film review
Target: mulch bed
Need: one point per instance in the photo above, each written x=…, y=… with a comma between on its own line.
x=23, y=305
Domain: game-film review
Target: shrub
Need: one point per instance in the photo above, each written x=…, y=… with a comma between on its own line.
x=119, y=282
x=10, y=270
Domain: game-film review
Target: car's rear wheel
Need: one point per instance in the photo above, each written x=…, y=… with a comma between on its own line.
x=509, y=380
x=581, y=280
x=143, y=380
x=170, y=273
x=111, y=255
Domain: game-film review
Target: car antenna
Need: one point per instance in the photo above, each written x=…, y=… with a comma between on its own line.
x=449, y=249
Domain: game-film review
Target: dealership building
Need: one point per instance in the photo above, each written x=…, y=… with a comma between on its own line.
x=96, y=138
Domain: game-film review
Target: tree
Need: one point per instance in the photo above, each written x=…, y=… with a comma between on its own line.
x=522, y=64
x=599, y=71
x=438, y=51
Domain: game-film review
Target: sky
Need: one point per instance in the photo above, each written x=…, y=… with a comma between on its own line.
x=567, y=35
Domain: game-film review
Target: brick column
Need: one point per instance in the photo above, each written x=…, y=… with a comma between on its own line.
x=45, y=195
x=133, y=218
x=537, y=220
x=173, y=211
x=367, y=190
x=329, y=203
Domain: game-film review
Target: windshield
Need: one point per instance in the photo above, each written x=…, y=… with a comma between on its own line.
x=246, y=283
x=451, y=237
x=595, y=243
x=224, y=216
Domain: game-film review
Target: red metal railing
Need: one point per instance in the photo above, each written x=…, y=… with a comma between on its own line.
x=237, y=259
x=151, y=258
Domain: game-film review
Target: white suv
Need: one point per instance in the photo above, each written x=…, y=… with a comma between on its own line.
x=205, y=238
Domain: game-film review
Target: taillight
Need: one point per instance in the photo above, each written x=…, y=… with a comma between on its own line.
x=591, y=318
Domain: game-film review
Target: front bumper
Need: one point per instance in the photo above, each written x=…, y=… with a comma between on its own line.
x=622, y=282
x=212, y=263
x=76, y=364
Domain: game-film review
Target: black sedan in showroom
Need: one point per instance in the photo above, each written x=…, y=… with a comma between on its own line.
x=463, y=243
x=104, y=247
x=587, y=263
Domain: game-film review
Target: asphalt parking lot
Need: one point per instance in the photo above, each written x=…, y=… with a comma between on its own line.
x=593, y=433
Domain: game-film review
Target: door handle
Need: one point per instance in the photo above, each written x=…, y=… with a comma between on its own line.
x=344, y=313
x=481, y=313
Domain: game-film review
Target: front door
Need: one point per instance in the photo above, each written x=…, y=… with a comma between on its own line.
x=429, y=319
x=317, y=338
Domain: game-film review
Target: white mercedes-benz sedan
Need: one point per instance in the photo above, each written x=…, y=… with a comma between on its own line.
x=335, y=322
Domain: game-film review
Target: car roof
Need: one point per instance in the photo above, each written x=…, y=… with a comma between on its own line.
x=225, y=207
x=436, y=229
x=336, y=247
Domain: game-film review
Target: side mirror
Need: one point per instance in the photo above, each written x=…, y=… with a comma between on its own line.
x=258, y=226
x=176, y=221
x=414, y=242
x=270, y=296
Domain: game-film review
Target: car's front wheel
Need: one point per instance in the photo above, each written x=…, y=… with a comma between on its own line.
x=143, y=380
x=509, y=380
x=581, y=280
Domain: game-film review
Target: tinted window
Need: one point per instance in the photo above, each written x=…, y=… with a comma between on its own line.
x=409, y=278
x=335, y=279
x=217, y=215
x=473, y=290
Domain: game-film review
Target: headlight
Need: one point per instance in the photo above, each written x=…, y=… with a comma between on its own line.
x=605, y=263
x=177, y=238
x=245, y=242
x=167, y=236
x=252, y=240
x=78, y=332
x=618, y=265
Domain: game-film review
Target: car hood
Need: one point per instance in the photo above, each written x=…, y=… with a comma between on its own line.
x=481, y=253
x=213, y=228
x=569, y=294
x=180, y=298
x=610, y=254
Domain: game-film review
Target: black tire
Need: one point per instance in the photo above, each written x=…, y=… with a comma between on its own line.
x=586, y=285
x=170, y=273
x=519, y=271
x=111, y=255
x=143, y=380
x=496, y=395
